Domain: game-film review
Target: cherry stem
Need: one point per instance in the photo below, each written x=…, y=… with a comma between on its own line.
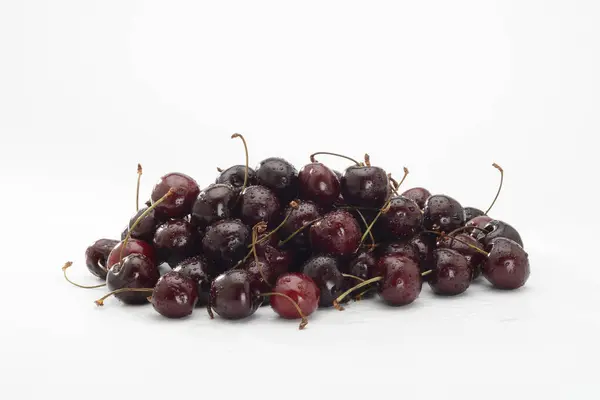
x=403, y=178
x=100, y=301
x=304, y=321
x=66, y=266
x=464, y=228
x=367, y=160
x=293, y=205
x=312, y=156
x=137, y=190
x=393, y=184
x=260, y=227
x=499, y=168
x=336, y=302
x=297, y=231
x=425, y=273
x=237, y=135
x=366, y=226
x=353, y=277
x=139, y=219
x=219, y=169
x=359, y=296
x=442, y=234
x=255, y=230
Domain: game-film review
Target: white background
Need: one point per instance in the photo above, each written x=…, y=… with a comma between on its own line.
x=89, y=89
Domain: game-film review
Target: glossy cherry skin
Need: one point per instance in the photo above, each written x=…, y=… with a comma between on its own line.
x=234, y=295
x=479, y=222
x=259, y=203
x=496, y=229
x=264, y=273
x=403, y=219
x=401, y=283
x=234, y=176
x=134, y=246
x=404, y=248
x=280, y=176
x=214, y=203
x=451, y=274
x=319, y=184
x=472, y=212
x=425, y=244
x=474, y=258
x=324, y=271
x=305, y=213
x=337, y=233
x=363, y=266
x=136, y=271
x=443, y=213
x=271, y=252
x=179, y=204
x=175, y=295
x=365, y=186
x=507, y=266
x=96, y=256
x=197, y=269
x=145, y=228
x=301, y=289
x=174, y=241
x=225, y=243
x=418, y=194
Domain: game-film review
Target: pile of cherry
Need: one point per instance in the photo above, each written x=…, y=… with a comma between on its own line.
x=300, y=240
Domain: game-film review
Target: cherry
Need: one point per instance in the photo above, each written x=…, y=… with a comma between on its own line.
x=495, y=229
x=337, y=233
x=269, y=250
x=451, y=274
x=319, y=184
x=402, y=218
x=214, y=203
x=185, y=191
x=362, y=266
x=365, y=186
x=134, y=271
x=418, y=194
x=324, y=271
x=472, y=212
x=174, y=241
x=145, y=229
x=304, y=214
x=234, y=295
x=466, y=246
x=301, y=289
x=198, y=270
x=259, y=203
x=280, y=176
x=175, y=295
x=507, y=266
x=398, y=281
x=264, y=273
x=425, y=244
x=225, y=243
x=234, y=176
x=96, y=256
x=133, y=246
x=443, y=213
x=478, y=222
x=400, y=247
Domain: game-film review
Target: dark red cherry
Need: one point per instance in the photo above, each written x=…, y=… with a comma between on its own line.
x=135, y=271
x=403, y=219
x=507, y=266
x=134, y=246
x=96, y=256
x=234, y=295
x=495, y=229
x=425, y=244
x=214, y=203
x=401, y=283
x=235, y=176
x=404, y=248
x=472, y=212
x=197, y=269
x=180, y=204
x=264, y=273
x=174, y=241
x=337, y=233
x=146, y=227
x=463, y=245
x=443, y=213
x=280, y=176
x=478, y=222
x=418, y=194
x=365, y=186
x=301, y=289
x=324, y=271
x=305, y=213
x=175, y=295
x=225, y=243
x=451, y=273
x=259, y=203
x=319, y=184
x=363, y=266
x=271, y=252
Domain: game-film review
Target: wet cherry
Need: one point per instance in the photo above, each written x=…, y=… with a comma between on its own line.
x=324, y=271
x=507, y=266
x=174, y=241
x=197, y=269
x=495, y=229
x=451, y=274
x=305, y=213
x=318, y=184
x=225, y=243
x=135, y=271
x=443, y=213
x=301, y=289
x=337, y=233
x=96, y=256
x=175, y=295
x=259, y=203
x=365, y=186
x=234, y=295
x=133, y=246
x=472, y=212
x=145, y=228
x=180, y=203
x=234, y=176
x=280, y=176
x=214, y=203
x=418, y=194
x=402, y=218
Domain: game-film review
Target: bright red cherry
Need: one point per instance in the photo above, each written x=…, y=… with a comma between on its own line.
x=301, y=289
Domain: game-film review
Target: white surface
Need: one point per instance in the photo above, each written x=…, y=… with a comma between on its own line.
x=88, y=89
